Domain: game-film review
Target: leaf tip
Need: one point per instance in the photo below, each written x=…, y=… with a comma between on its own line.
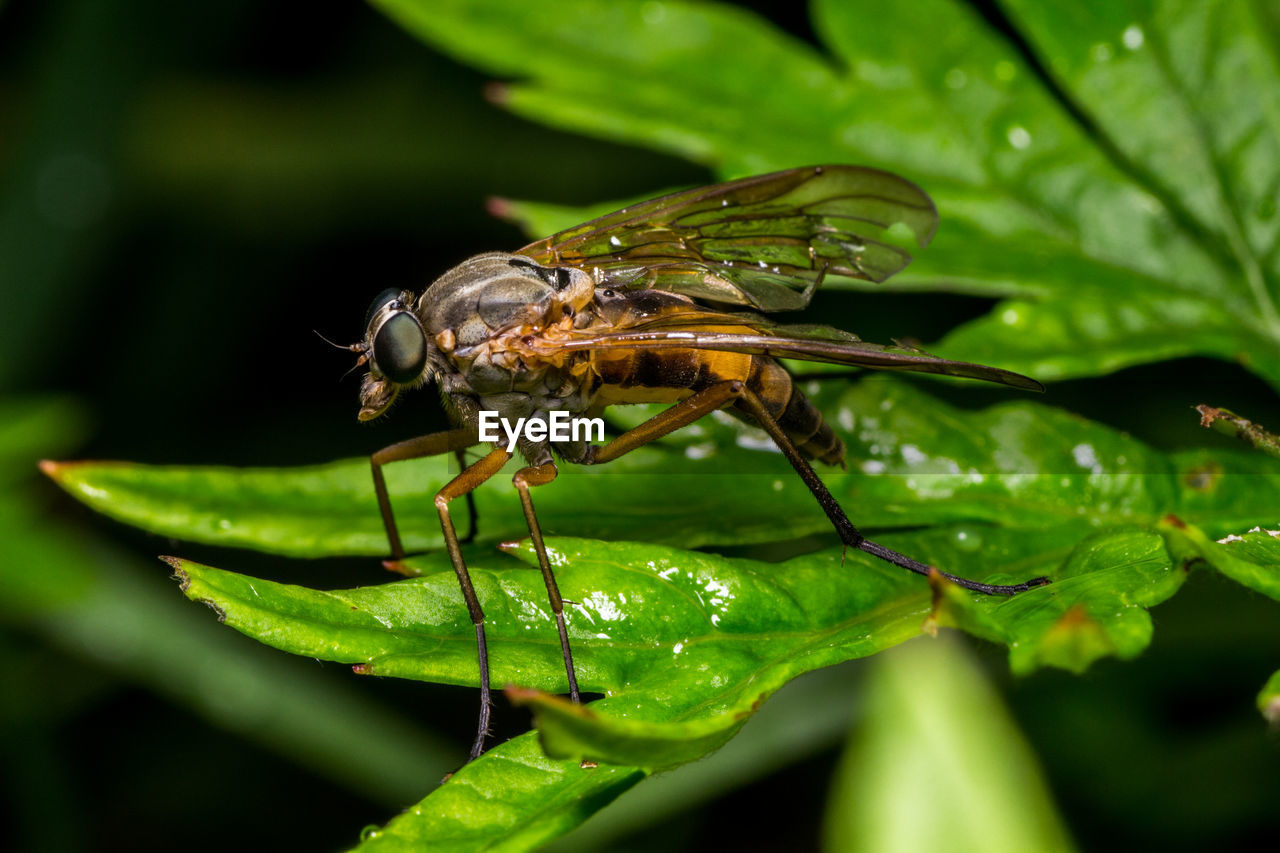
x=529, y=696
x=498, y=94
x=1208, y=414
x=938, y=585
x=401, y=568
x=499, y=208
x=179, y=573
x=51, y=469
x=1271, y=712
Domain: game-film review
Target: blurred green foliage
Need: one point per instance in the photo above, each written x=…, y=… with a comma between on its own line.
x=190, y=189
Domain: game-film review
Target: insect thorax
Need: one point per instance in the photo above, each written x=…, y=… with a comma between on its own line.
x=478, y=312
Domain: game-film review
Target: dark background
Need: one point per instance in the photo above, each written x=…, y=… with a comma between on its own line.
x=189, y=190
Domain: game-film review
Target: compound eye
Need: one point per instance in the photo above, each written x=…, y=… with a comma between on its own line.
x=389, y=295
x=400, y=349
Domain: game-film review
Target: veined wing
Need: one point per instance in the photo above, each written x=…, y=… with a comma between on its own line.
x=764, y=242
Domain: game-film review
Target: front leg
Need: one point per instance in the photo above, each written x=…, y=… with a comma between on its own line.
x=454, y=440
x=466, y=482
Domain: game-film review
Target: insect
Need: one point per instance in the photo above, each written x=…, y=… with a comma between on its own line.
x=659, y=302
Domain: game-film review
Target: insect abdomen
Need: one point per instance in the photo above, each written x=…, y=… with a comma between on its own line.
x=670, y=375
x=798, y=417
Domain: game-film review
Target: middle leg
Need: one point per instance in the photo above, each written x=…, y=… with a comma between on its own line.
x=540, y=475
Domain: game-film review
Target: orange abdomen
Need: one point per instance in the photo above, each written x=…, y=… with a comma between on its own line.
x=669, y=375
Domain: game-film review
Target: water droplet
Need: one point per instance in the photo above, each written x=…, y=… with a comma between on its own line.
x=1101, y=52
x=1010, y=317
x=653, y=13
x=614, y=241
x=968, y=540
x=1006, y=70
x=701, y=450
x=1019, y=137
x=370, y=832
x=1132, y=37
x=1086, y=457
x=955, y=79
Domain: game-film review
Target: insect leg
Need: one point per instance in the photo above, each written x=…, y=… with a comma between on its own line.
x=667, y=421
x=473, y=517
x=414, y=448
x=540, y=475
x=690, y=409
x=849, y=534
x=468, y=481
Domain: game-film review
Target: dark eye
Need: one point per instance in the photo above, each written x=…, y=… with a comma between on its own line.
x=389, y=295
x=400, y=348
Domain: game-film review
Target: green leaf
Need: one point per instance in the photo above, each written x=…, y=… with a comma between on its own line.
x=938, y=764
x=1148, y=235
x=81, y=596
x=511, y=798
x=912, y=460
x=686, y=645
x=1251, y=559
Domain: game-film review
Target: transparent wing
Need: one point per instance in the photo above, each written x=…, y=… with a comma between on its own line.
x=764, y=242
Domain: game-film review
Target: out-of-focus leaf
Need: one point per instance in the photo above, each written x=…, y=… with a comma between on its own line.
x=1251, y=559
x=1163, y=250
x=1269, y=700
x=96, y=604
x=938, y=764
x=30, y=426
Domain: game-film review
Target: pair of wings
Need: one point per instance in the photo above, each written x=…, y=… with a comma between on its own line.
x=763, y=243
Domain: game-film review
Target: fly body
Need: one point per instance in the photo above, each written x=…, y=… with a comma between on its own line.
x=662, y=302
